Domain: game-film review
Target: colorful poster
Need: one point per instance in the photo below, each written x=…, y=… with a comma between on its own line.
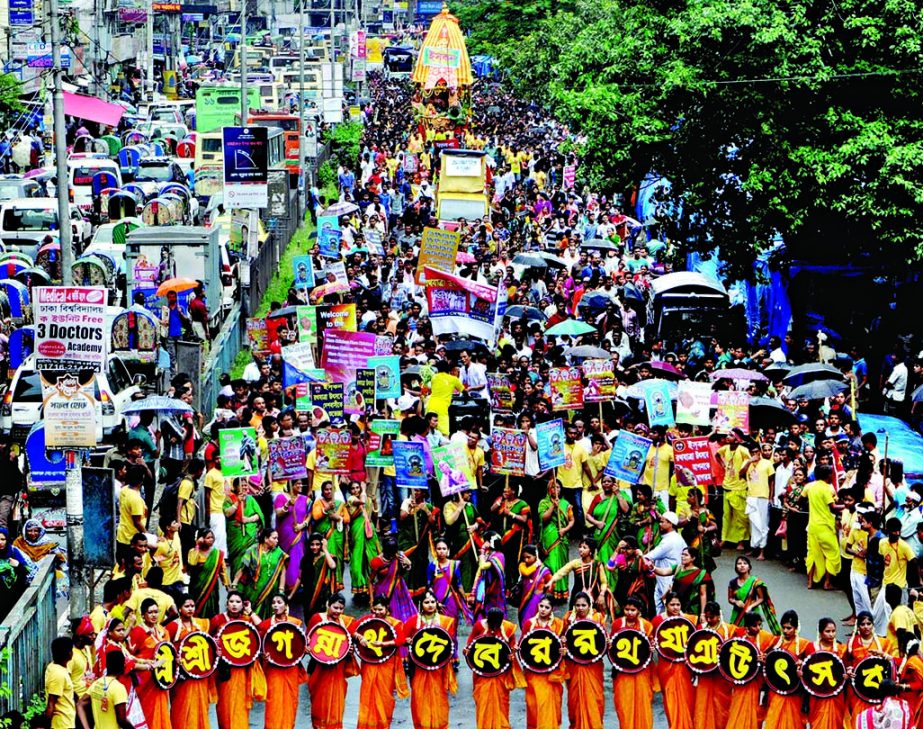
x=373, y=240
x=733, y=411
x=360, y=395
x=345, y=351
x=410, y=465
x=658, y=404
x=566, y=388
x=70, y=411
x=508, y=452
x=258, y=335
x=626, y=462
x=569, y=176
x=693, y=402
x=70, y=328
x=461, y=306
x=328, y=396
x=438, y=249
x=550, y=438
x=333, y=450
x=600, y=380
x=329, y=236
x=287, y=459
x=297, y=362
x=450, y=463
x=383, y=433
x=303, y=271
x=240, y=455
x=501, y=394
x=336, y=316
x=694, y=454
x=306, y=321
x=387, y=376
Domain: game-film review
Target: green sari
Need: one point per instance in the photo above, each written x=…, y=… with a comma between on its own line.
x=241, y=536
x=748, y=593
x=262, y=572
x=554, y=544
x=336, y=537
x=362, y=547
x=203, y=583
x=688, y=583
x=460, y=544
x=607, y=538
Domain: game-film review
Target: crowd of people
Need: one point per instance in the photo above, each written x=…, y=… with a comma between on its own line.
x=504, y=557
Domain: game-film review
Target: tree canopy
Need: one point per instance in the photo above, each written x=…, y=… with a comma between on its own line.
x=799, y=118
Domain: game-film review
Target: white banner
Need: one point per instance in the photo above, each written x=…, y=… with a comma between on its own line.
x=70, y=328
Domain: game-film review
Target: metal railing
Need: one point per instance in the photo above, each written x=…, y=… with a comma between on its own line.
x=25, y=640
x=221, y=356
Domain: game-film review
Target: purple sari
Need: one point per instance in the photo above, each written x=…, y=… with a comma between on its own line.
x=532, y=590
x=292, y=542
x=489, y=587
x=446, y=583
x=389, y=583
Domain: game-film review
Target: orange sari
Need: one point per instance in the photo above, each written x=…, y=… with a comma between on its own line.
x=236, y=695
x=745, y=710
x=633, y=693
x=828, y=713
x=544, y=691
x=282, y=686
x=910, y=671
x=492, y=694
x=855, y=652
x=784, y=712
x=429, y=696
x=190, y=698
x=380, y=681
x=327, y=684
x=676, y=686
x=155, y=702
x=713, y=693
x=586, y=702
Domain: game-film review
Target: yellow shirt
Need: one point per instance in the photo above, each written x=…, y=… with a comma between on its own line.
x=820, y=495
x=733, y=461
x=58, y=683
x=131, y=504
x=758, y=479
x=571, y=473
x=107, y=690
x=215, y=488
x=163, y=600
x=858, y=540
x=80, y=670
x=475, y=460
x=597, y=462
x=168, y=556
x=896, y=558
x=310, y=464
x=99, y=616
x=902, y=618
x=657, y=467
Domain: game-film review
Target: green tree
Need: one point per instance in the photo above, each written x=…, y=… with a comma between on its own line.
x=10, y=104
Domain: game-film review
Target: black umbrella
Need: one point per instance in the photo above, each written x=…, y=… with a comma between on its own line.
x=524, y=259
x=285, y=311
x=529, y=312
x=818, y=389
x=599, y=244
x=766, y=412
x=586, y=351
x=810, y=373
x=462, y=345
x=594, y=301
x=553, y=260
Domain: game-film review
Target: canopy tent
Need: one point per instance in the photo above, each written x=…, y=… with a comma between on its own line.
x=92, y=109
x=443, y=55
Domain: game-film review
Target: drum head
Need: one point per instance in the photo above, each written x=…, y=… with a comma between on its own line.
x=702, y=650
x=375, y=630
x=431, y=647
x=739, y=661
x=781, y=672
x=823, y=674
x=284, y=645
x=198, y=655
x=630, y=651
x=586, y=642
x=868, y=676
x=671, y=636
x=167, y=674
x=328, y=643
x=540, y=651
x=488, y=656
x=239, y=643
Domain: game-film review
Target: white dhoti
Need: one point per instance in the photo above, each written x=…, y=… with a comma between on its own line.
x=218, y=526
x=860, y=592
x=758, y=513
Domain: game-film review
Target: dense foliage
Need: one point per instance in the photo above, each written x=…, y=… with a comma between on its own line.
x=799, y=118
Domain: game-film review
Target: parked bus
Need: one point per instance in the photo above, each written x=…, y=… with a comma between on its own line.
x=216, y=105
x=290, y=125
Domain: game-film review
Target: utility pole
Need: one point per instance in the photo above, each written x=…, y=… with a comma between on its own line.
x=73, y=480
x=149, y=81
x=302, y=167
x=244, y=103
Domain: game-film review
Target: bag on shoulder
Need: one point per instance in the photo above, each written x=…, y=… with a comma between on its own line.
x=169, y=498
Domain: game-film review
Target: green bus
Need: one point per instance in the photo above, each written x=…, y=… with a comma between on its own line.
x=216, y=106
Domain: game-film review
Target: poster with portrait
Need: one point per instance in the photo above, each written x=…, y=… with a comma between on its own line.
x=626, y=461
x=550, y=438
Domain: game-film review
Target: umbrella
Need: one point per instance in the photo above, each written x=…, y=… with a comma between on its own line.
x=638, y=390
x=663, y=369
x=738, y=373
x=917, y=395
x=811, y=372
x=818, y=389
x=586, y=351
x=523, y=259
x=600, y=244
x=285, y=311
x=176, y=285
x=463, y=345
x=161, y=403
x=529, y=312
x=465, y=257
x=571, y=327
x=340, y=208
x=766, y=412
x=777, y=370
x=552, y=259
x=595, y=301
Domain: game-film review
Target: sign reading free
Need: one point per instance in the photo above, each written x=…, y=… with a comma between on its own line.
x=70, y=332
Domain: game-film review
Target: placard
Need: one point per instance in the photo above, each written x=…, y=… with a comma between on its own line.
x=306, y=322
x=336, y=316
x=328, y=396
x=387, y=376
x=360, y=395
x=333, y=450
x=694, y=454
x=69, y=411
x=258, y=335
x=733, y=411
x=239, y=452
x=381, y=452
x=410, y=465
x=501, y=393
x=508, y=452
x=693, y=402
x=658, y=404
x=287, y=458
x=438, y=249
x=303, y=272
x=566, y=388
x=246, y=166
x=600, y=380
x=329, y=236
x=297, y=363
x=550, y=439
x=453, y=471
x=70, y=328
x=99, y=517
x=626, y=462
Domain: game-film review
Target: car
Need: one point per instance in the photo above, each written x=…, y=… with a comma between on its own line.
x=81, y=170
x=152, y=172
x=22, y=402
x=13, y=187
x=24, y=223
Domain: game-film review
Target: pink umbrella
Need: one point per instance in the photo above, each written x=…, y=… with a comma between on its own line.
x=738, y=373
x=661, y=369
x=464, y=257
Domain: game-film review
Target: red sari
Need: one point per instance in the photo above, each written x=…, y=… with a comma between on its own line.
x=910, y=671
x=282, y=685
x=327, y=684
x=190, y=698
x=784, y=712
x=633, y=693
x=676, y=686
x=586, y=701
x=544, y=691
x=380, y=681
x=429, y=695
x=492, y=694
x=236, y=695
x=155, y=702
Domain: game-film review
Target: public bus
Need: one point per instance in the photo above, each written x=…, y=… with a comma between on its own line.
x=290, y=125
x=217, y=104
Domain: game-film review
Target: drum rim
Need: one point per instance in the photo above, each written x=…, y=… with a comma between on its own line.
x=489, y=674
x=275, y=626
x=448, y=658
x=214, y=668
x=543, y=671
x=357, y=647
x=795, y=688
x=682, y=618
x=252, y=628
x=584, y=661
x=852, y=682
x=758, y=663
x=633, y=671
x=839, y=689
x=695, y=669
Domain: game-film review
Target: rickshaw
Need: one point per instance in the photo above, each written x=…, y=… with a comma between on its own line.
x=129, y=156
x=133, y=136
x=159, y=211
x=186, y=148
x=32, y=276
x=49, y=259
x=181, y=192
x=85, y=144
x=103, y=185
x=17, y=296
x=92, y=271
x=126, y=225
x=137, y=191
x=21, y=343
x=114, y=143
x=12, y=267
x=121, y=205
x=135, y=336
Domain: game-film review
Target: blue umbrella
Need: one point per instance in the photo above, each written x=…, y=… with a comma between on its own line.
x=161, y=403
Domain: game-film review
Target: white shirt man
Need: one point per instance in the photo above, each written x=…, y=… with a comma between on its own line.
x=896, y=386
x=666, y=554
x=473, y=376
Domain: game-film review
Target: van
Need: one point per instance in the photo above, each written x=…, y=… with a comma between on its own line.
x=80, y=171
x=14, y=186
x=25, y=222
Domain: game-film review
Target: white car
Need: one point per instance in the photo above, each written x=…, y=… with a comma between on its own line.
x=22, y=402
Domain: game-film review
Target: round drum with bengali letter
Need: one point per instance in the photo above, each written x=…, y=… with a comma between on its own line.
x=167, y=674
x=375, y=630
x=823, y=674
x=198, y=655
x=431, y=648
x=671, y=636
x=586, y=642
x=238, y=643
x=781, y=671
x=328, y=643
x=284, y=645
x=630, y=651
x=540, y=651
x=739, y=661
x=868, y=676
x=489, y=656
x=702, y=650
